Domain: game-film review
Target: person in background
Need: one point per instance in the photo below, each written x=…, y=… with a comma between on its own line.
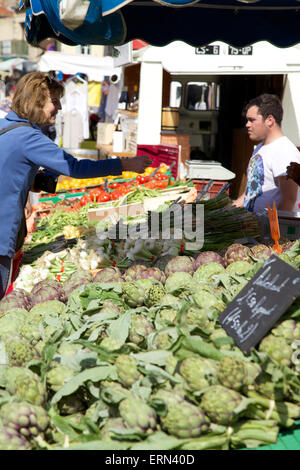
x=104, y=94
x=9, y=94
x=24, y=149
x=266, y=174
x=293, y=172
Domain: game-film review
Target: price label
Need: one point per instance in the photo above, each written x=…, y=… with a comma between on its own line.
x=208, y=50
x=240, y=50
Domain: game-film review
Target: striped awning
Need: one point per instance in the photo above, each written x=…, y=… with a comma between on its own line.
x=115, y=22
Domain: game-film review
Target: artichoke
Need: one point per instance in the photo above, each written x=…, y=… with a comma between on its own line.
x=19, y=351
x=25, y=385
x=205, y=299
x=208, y=257
x=133, y=294
x=154, y=294
x=169, y=299
x=154, y=273
x=140, y=328
x=137, y=415
x=111, y=425
x=277, y=348
x=288, y=329
x=196, y=316
x=232, y=373
x=58, y=376
x=180, y=282
x=24, y=418
x=219, y=404
x=266, y=387
x=168, y=397
x=185, y=420
x=12, y=440
x=111, y=344
x=134, y=272
x=205, y=272
x=180, y=264
x=12, y=321
x=113, y=392
x=109, y=274
x=239, y=267
x=198, y=373
x=77, y=279
x=127, y=370
x=48, y=289
x=167, y=316
x=261, y=252
x=109, y=306
x=237, y=252
x=49, y=307
x=18, y=298
x=221, y=339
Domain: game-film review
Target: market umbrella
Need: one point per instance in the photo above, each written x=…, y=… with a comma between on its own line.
x=114, y=22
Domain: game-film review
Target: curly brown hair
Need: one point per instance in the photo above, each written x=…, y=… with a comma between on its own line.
x=31, y=94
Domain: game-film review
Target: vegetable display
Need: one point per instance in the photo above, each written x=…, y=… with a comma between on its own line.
x=134, y=358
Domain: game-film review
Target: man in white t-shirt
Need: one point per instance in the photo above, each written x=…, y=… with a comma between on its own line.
x=266, y=176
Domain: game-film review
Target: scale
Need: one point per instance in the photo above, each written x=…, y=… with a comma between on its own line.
x=207, y=170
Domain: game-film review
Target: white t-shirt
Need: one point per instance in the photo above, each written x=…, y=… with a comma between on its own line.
x=266, y=164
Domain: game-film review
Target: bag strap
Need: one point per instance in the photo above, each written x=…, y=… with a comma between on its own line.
x=2, y=131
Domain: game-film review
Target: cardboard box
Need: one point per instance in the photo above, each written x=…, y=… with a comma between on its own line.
x=289, y=225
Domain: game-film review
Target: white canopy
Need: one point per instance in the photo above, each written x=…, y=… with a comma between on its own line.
x=9, y=64
x=96, y=68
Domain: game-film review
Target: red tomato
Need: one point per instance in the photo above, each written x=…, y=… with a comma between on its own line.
x=85, y=200
x=115, y=195
x=114, y=185
x=94, y=193
x=104, y=197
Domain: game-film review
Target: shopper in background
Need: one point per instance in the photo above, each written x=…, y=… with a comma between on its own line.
x=266, y=175
x=293, y=172
x=25, y=149
x=9, y=94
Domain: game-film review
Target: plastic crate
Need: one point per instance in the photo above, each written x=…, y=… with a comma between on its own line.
x=213, y=191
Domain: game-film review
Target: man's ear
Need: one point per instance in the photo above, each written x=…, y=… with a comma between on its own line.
x=270, y=120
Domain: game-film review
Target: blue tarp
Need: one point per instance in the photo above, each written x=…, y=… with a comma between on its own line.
x=115, y=22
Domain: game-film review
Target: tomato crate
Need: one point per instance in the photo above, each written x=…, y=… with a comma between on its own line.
x=213, y=191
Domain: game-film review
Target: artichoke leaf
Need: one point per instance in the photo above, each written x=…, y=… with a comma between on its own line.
x=94, y=374
x=119, y=328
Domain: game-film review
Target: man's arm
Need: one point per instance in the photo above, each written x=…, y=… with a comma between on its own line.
x=239, y=202
x=288, y=194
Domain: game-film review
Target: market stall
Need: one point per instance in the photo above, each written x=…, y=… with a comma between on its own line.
x=171, y=327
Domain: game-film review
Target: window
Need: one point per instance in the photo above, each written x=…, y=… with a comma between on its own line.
x=202, y=96
x=85, y=49
x=175, y=94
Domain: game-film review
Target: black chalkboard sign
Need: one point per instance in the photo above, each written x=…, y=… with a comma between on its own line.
x=259, y=305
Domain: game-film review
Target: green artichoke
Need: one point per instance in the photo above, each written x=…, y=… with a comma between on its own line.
x=25, y=385
x=277, y=348
x=133, y=295
x=219, y=404
x=167, y=316
x=288, y=329
x=266, y=387
x=239, y=267
x=127, y=370
x=111, y=344
x=137, y=415
x=198, y=373
x=185, y=420
x=58, y=376
x=205, y=299
x=19, y=351
x=12, y=440
x=111, y=424
x=205, y=272
x=221, y=339
x=140, y=328
x=154, y=294
x=168, y=397
x=232, y=373
x=196, y=316
x=24, y=418
x=113, y=392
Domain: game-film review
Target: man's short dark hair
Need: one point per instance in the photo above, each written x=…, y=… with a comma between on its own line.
x=267, y=105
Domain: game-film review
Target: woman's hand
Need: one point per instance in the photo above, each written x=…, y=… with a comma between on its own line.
x=137, y=164
x=293, y=172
